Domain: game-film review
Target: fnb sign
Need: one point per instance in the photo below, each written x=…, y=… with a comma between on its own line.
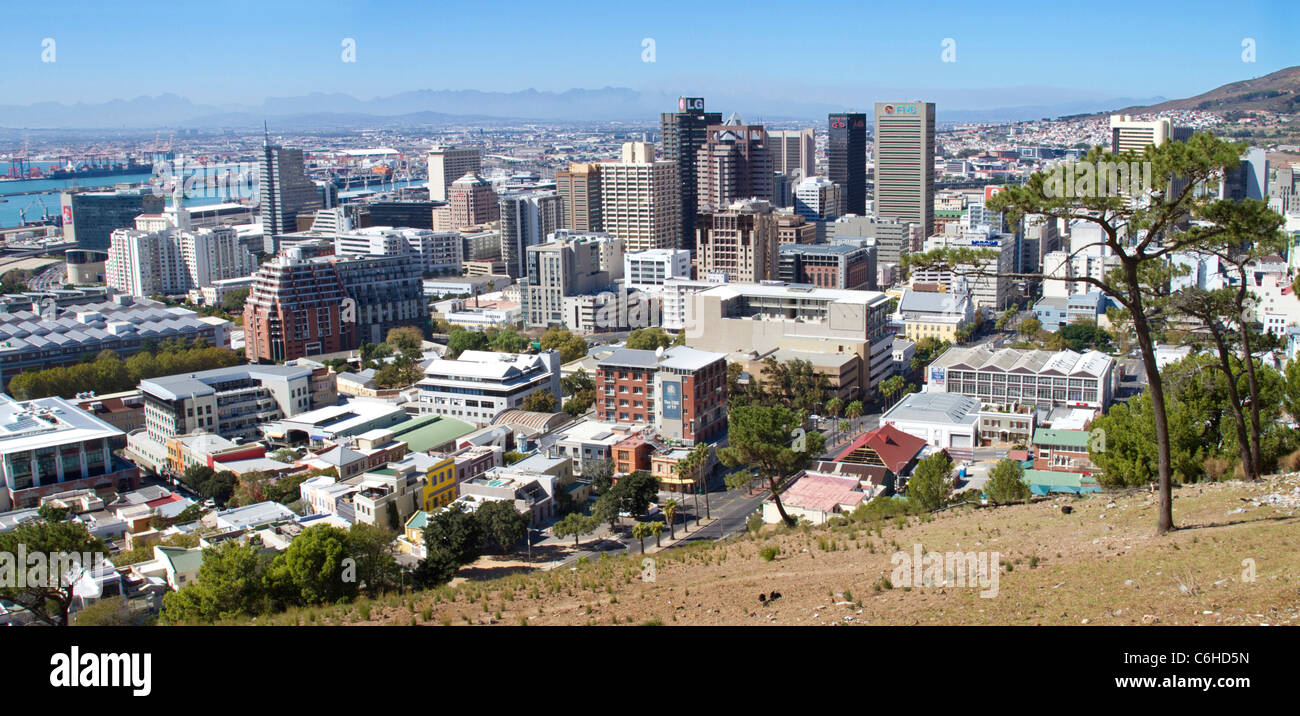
x=690, y=104
x=900, y=109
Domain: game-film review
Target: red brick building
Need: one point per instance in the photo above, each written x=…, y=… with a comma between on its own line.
x=681, y=391
x=295, y=309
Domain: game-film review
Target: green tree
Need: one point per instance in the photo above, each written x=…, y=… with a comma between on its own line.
x=575, y=525
x=372, y=548
x=600, y=473
x=571, y=346
x=931, y=481
x=656, y=528
x=641, y=530
x=637, y=491
x=47, y=593
x=764, y=438
x=540, y=401
x=230, y=585
x=406, y=340
x=457, y=532
x=509, y=341
x=501, y=525
x=670, y=513
x=1030, y=327
x=461, y=340
x=648, y=339
x=1007, y=482
x=233, y=301
x=312, y=569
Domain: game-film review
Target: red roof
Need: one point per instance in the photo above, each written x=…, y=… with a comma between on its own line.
x=895, y=447
x=164, y=500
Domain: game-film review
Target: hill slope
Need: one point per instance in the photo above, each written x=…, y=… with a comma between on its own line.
x=1100, y=564
x=1276, y=92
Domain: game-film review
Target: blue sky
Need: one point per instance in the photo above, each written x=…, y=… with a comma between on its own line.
x=240, y=52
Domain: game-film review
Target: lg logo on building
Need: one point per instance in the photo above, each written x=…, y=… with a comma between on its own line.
x=690, y=104
x=899, y=109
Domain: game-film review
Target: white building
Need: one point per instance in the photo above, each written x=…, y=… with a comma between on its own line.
x=987, y=280
x=943, y=420
x=644, y=269
x=164, y=254
x=478, y=385
x=438, y=252
x=817, y=198
x=447, y=164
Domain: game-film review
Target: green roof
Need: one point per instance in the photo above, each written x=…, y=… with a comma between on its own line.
x=430, y=432
x=183, y=560
x=418, y=521
x=1053, y=477
x=386, y=471
x=1064, y=438
x=948, y=213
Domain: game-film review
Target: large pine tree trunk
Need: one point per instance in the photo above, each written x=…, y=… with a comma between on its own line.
x=780, y=508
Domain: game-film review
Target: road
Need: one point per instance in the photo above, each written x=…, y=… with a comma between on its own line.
x=50, y=278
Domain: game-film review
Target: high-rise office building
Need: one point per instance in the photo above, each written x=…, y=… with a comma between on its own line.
x=447, y=164
x=794, y=152
x=740, y=242
x=89, y=217
x=846, y=153
x=295, y=309
x=1130, y=135
x=579, y=188
x=641, y=199
x=733, y=164
x=572, y=264
x=527, y=218
x=284, y=189
x=904, y=155
x=471, y=201
x=684, y=132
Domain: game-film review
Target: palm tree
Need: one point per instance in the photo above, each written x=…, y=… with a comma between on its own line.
x=853, y=412
x=655, y=528
x=670, y=511
x=641, y=530
x=834, y=406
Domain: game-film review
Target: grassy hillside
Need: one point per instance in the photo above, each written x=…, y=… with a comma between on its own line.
x=1100, y=564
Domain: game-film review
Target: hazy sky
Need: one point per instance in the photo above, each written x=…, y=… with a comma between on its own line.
x=242, y=52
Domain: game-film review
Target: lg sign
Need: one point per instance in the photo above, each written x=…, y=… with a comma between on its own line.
x=690, y=104
x=900, y=109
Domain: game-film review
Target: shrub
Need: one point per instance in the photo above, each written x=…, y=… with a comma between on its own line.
x=769, y=552
x=1216, y=467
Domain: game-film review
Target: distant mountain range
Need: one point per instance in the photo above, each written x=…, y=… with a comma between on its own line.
x=452, y=107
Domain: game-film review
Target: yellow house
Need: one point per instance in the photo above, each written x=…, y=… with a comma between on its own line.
x=440, y=486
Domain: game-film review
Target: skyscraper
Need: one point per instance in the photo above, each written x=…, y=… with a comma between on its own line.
x=794, y=152
x=284, y=189
x=641, y=199
x=447, y=164
x=527, y=218
x=684, y=132
x=741, y=242
x=846, y=152
x=733, y=164
x=471, y=201
x=579, y=187
x=905, y=162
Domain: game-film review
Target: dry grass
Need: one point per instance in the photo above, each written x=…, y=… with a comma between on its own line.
x=1102, y=564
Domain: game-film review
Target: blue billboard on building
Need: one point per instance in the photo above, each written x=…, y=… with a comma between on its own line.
x=671, y=400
